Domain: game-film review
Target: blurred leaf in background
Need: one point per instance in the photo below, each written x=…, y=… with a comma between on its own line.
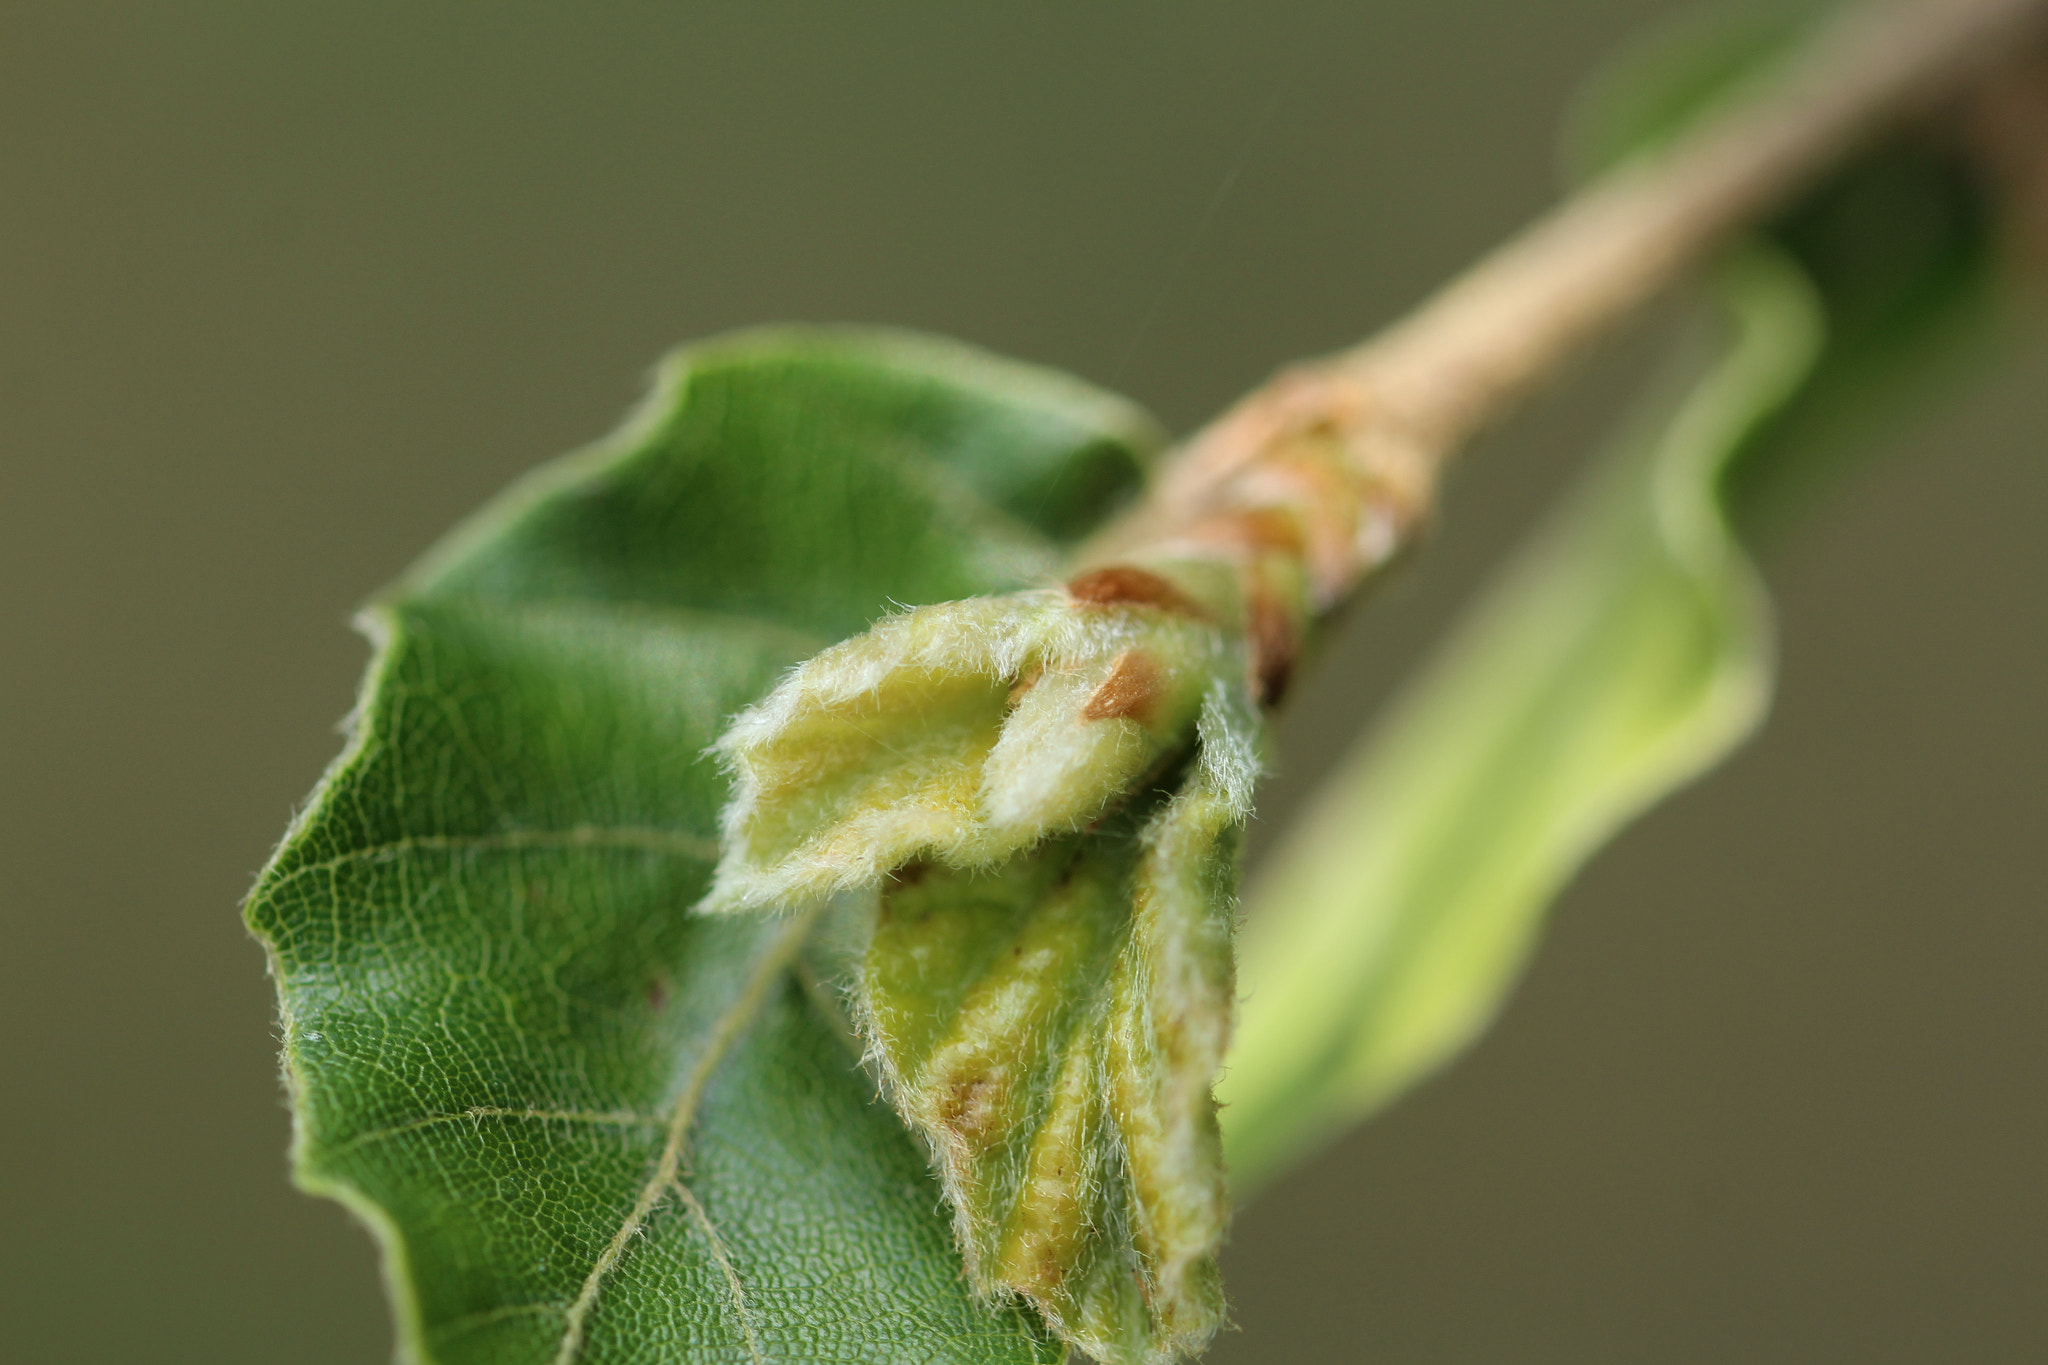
x=1627, y=648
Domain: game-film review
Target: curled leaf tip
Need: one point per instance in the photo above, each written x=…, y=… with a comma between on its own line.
x=961, y=733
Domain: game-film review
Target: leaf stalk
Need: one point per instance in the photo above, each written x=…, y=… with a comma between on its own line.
x=1326, y=474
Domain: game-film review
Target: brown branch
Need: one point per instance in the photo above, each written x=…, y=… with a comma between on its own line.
x=1314, y=481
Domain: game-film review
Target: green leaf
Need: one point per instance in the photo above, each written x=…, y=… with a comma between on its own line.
x=584, y=1123
x=1620, y=654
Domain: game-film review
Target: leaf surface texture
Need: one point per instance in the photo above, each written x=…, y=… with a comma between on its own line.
x=585, y=1124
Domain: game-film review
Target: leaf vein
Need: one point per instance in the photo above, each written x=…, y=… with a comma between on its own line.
x=723, y=1256
x=772, y=963
x=470, y=1322
x=649, y=838
x=616, y=1117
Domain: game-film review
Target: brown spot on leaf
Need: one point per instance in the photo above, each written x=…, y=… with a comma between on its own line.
x=971, y=1108
x=1129, y=692
x=1122, y=583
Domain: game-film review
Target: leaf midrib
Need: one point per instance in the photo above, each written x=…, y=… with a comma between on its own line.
x=768, y=968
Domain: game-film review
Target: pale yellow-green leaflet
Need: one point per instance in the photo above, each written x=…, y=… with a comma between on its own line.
x=961, y=733
x=1043, y=793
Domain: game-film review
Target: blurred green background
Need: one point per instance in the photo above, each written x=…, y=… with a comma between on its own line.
x=286, y=288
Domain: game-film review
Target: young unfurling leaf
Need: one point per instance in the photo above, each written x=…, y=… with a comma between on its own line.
x=1046, y=788
x=964, y=732
x=1053, y=1031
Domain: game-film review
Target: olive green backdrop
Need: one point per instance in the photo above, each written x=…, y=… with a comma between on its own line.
x=285, y=288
